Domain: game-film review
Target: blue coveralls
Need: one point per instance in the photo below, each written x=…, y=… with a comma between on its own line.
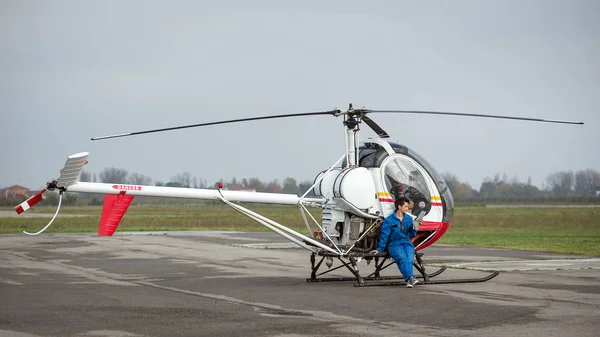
x=401, y=249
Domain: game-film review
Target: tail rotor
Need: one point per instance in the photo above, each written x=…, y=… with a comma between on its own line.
x=68, y=176
x=31, y=201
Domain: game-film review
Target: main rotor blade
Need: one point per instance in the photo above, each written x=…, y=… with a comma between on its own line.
x=332, y=112
x=378, y=130
x=473, y=115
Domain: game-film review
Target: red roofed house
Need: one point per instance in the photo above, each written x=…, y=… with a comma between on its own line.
x=240, y=188
x=15, y=191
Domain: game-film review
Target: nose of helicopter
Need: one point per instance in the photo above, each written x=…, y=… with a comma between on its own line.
x=429, y=233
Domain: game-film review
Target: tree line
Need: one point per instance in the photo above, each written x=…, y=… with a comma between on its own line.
x=562, y=183
x=185, y=179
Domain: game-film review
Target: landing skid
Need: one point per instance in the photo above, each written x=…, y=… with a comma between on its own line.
x=465, y=280
x=350, y=261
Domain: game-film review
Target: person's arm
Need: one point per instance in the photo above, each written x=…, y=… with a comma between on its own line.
x=383, y=237
x=412, y=231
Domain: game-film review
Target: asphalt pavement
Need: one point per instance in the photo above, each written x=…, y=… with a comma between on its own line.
x=254, y=284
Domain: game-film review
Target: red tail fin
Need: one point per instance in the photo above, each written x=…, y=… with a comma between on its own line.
x=115, y=206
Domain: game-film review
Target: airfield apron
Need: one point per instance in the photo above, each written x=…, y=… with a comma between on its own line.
x=396, y=235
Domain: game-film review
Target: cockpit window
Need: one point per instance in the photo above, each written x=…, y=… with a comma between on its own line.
x=372, y=154
x=367, y=158
x=403, y=178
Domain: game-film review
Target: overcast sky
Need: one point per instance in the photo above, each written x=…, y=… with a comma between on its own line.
x=72, y=70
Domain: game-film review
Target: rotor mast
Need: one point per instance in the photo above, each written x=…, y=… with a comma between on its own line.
x=351, y=121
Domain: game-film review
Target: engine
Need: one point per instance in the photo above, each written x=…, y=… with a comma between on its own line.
x=351, y=204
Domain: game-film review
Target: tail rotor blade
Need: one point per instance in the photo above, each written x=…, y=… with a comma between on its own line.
x=474, y=115
x=27, y=204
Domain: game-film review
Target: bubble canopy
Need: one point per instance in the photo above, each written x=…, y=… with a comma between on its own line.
x=404, y=174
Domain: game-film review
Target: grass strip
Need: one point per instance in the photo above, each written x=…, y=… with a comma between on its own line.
x=555, y=229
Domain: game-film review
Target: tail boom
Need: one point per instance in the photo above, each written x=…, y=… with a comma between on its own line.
x=192, y=193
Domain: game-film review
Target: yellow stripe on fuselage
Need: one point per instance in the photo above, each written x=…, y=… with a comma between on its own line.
x=387, y=194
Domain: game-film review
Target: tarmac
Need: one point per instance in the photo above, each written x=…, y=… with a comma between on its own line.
x=254, y=284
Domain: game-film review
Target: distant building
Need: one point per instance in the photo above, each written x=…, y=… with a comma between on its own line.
x=15, y=191
x=239, y=188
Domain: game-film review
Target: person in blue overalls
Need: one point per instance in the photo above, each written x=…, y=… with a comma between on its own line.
x=396, y=231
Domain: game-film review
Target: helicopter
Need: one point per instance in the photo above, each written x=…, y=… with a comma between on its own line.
x=354, y=195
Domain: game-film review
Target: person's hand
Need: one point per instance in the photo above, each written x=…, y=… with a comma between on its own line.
x=374, y=251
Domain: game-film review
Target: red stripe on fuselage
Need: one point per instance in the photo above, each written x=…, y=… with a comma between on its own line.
x=392, y=200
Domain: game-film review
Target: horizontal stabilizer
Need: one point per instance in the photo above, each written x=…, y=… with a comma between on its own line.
x=71, y=170
x=115, y=206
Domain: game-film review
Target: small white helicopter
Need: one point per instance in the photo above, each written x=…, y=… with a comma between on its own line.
x=355, y=194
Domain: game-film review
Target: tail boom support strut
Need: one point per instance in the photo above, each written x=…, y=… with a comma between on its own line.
x=280, y=229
